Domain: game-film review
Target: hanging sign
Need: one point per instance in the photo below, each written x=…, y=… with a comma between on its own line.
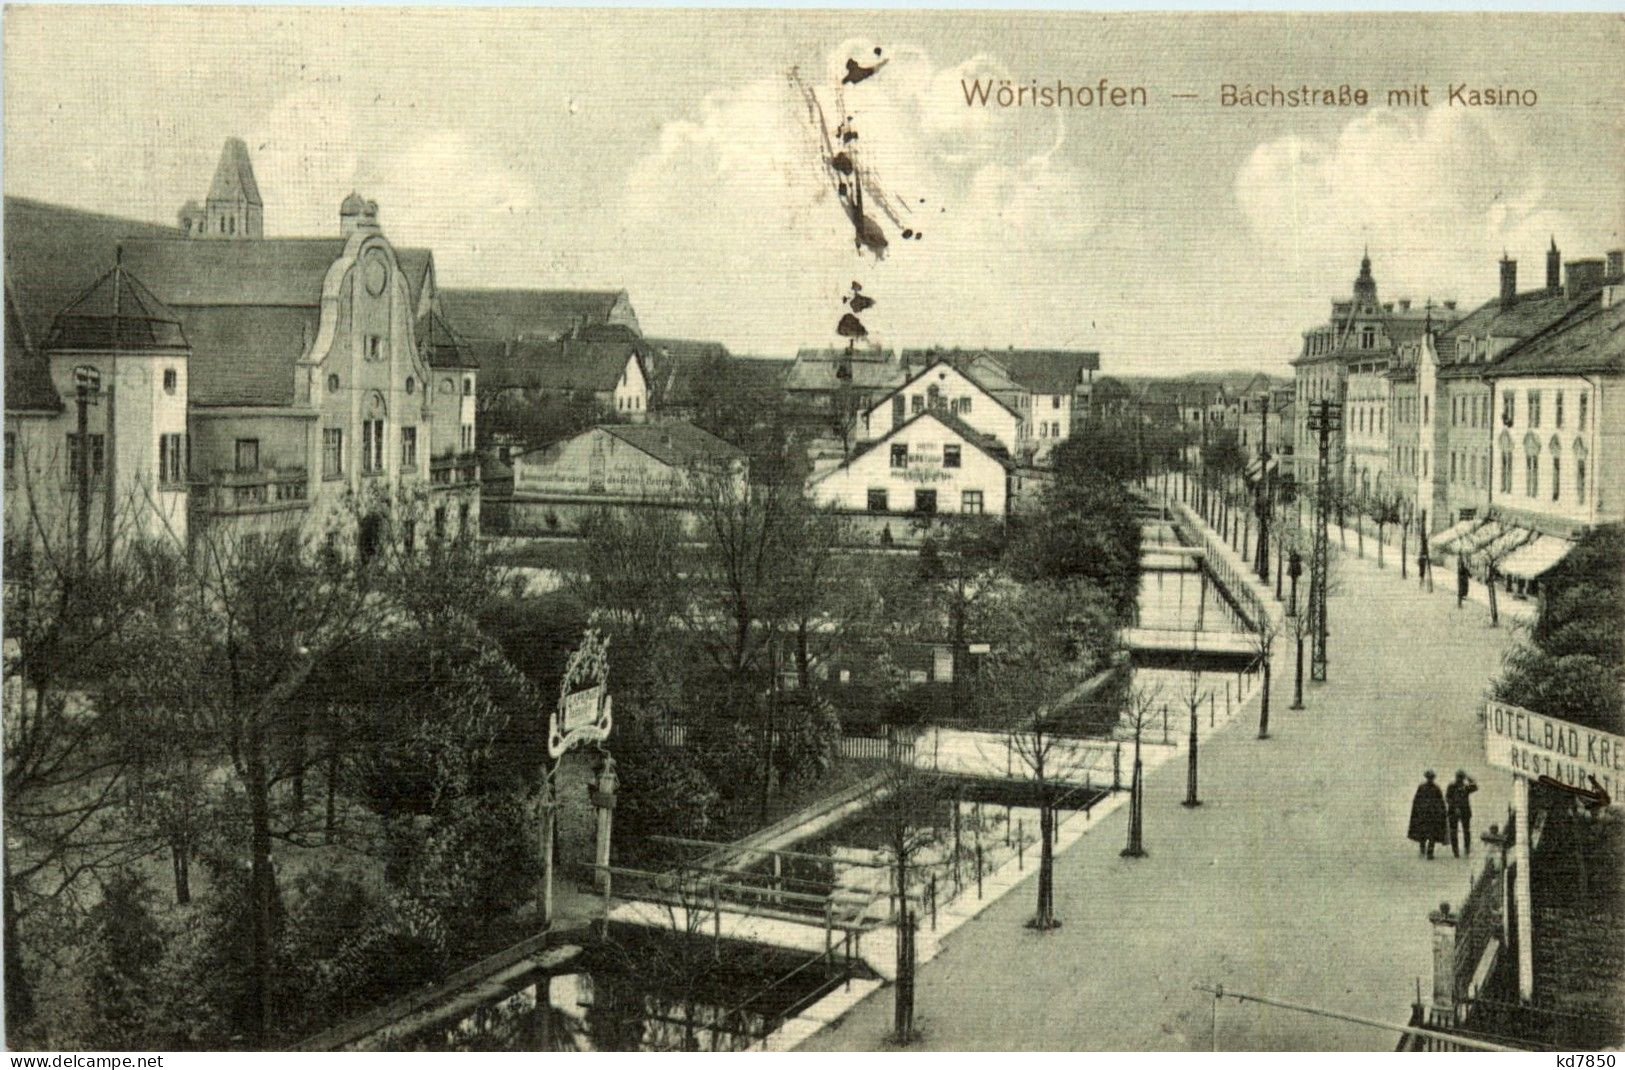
x=583, y=713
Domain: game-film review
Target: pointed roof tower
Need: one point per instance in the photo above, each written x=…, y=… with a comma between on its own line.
x=234, y=176
x=1365, y=287
x=117, y=312
x=233, y=208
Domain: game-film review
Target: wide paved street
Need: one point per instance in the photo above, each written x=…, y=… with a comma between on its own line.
x=1293, y=881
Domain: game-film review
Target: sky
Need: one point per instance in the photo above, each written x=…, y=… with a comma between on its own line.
x=673, y=154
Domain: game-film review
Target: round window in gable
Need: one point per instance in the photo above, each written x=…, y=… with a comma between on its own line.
x=332, y=384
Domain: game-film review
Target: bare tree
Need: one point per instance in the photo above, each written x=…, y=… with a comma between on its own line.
x=1265, y=631
x=1137, y=713
x=1384, y=512
x=909, y=801
x=69, y=602
x=1407, y=517
x=248, y=621
x=1193, y=696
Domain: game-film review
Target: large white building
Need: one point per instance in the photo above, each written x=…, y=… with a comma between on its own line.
x=232, y=382
x=941, y=386
x=933, y=463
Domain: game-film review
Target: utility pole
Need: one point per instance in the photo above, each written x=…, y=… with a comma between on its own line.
x=87, y=383
x=1326, y=417
x=1265, y=477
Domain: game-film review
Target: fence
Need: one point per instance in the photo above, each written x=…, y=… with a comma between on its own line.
x=888, y=747
x=1481, y=922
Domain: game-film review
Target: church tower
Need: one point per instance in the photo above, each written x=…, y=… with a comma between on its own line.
x=1365, y=287
x=233, y=209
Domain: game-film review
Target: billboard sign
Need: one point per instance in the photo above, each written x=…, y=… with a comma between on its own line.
x=1533, y=745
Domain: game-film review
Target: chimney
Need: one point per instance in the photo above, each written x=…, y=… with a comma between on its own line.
x=1554, y=268
x=1509, y=280
x=1404, y=304
x=1584, y=276
x=1616, y=264
x=1450, y=306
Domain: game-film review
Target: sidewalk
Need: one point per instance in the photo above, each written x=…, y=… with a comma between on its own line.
x=1293, y=880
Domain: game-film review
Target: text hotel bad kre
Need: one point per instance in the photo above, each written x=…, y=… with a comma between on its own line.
x=1060, y=93
x=1535, y=746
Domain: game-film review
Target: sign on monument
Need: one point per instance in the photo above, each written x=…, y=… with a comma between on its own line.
x=583, y=713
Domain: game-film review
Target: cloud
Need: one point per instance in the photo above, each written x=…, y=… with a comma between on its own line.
x=1437, y=198
x=733, y=228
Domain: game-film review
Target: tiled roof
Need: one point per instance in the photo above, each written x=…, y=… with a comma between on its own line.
x=118, y=311
x=245, y=355
x=1528, y=313
x=565, y=365
x=676, y=442
x=1591, y=339
x=28, y=379
x=819, y=370
x=1042, y=371
x=526, y=315
x=834, y=353
x=248, y=308
x=441, y=344
x=54, y=254
x=672, y=363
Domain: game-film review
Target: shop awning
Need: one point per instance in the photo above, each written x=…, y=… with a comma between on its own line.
x=1536, y=558
x=1488, y=534
x=1510, y=540
x=1444, y=542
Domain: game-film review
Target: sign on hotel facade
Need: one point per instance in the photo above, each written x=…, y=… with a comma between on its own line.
x=1532, y=745
x=925, y=466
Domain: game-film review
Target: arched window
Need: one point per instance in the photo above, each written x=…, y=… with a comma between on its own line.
x=1580, y=471
x=1531, y=466
x=1506, y=463
x=1557, y=468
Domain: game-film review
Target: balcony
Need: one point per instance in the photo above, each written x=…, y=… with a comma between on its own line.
x=264, y=491
x=454, y=469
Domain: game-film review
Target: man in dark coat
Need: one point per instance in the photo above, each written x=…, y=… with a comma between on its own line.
x=1458, y=805
x=1462, y=576
x=1428, y=816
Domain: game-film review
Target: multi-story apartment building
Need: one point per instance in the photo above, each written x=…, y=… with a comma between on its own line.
x=1559, y=405
x=1346, y=361
x=232, y=382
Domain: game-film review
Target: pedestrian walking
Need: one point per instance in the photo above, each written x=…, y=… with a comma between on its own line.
x=1427, y=816
x=1458, y=806
x=1422, y=570
x=1462, y=578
